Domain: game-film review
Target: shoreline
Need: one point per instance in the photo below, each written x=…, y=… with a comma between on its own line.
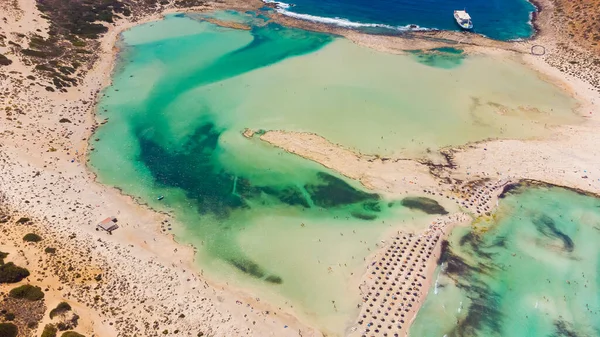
x=276, y=5
x=99, y=78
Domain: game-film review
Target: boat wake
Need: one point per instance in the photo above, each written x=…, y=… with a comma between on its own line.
x=282, y=8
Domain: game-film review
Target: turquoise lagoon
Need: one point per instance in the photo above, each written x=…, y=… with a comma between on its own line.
x=532, y=271
x=282, y=227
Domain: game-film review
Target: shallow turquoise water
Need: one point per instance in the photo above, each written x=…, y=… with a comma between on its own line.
x=262, y=219
x=446, y=58
x=533, y=271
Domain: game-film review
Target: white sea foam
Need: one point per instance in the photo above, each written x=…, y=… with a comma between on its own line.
x=278, y=4
x=282, y=8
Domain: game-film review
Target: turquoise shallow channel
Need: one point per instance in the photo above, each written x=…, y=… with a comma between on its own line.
x=281, y=227
x=532, y=271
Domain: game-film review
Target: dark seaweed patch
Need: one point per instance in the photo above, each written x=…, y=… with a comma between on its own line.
x=476, y=244
x=546, y=226
x=192, y=170
x=563, y=329
x=423, y=204
x=449, y=50
x=248, y=267
x=363, y=216
x=445, y=248
x=483, y=314
x=499, y=241
x=446, y=58
x=334, y=192
x=274, y=279
x=372, y=206
x=288, y=195
x=456, y=265
x=509, y=189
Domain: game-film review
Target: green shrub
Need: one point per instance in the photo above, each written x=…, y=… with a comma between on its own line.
x=60, y=309
x=34, y=53
x=23, y=220
x=28, y=292
x=9, y=316
x=50, y=250
x=49, y=331
x=8, y=330
x=31, y=237
x=9, y=273
x=71, y=334
x=4, y=61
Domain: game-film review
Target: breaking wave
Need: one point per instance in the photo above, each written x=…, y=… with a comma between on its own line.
x=282, y=8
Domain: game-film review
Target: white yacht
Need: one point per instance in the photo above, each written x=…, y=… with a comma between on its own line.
x=463, y=19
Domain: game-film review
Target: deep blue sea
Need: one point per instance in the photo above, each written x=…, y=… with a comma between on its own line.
x=497, y=19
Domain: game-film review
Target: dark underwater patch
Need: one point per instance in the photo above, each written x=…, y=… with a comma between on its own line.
x=288, y=195
x=510, y=189
x=423, y=204
x=456, y=266
x=274, y=279
x=363, y=216
x=192, y=169
x=526, y=184
x=563, y=329
x=483, y=311
x=499, y=241
x=449, y=50
x=248, y=267
x=481, y=315
x=546, y=226
x=331, y=191
x=445, y=250
x=372, y=206
x=445, y=57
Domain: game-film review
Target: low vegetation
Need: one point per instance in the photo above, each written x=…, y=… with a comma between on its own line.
x=4, y=61
x=10, y=273
x=68, y=324
x=71, y=334
x=49, y=331
x=31, y=237
x=9, y=316
x=3, y=256
x=60, y=309
x=23, y=220
x=8, y=330
x=28, y=292
x=63, y=55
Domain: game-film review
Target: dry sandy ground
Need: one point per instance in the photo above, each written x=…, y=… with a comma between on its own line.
x=149, y=283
